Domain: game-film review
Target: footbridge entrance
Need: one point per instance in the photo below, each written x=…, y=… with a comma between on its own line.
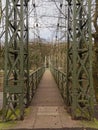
x=75, y=85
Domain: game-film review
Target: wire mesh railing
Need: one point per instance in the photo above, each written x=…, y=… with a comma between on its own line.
x=60, y=78
x=34, y=80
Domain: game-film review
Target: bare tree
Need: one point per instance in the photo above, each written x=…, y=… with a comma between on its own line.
x=95, y=36
x=0, y=10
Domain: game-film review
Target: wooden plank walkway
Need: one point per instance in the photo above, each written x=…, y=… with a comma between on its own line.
x=47, y=109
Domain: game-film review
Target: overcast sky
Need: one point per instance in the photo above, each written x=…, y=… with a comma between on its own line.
x=46, y=17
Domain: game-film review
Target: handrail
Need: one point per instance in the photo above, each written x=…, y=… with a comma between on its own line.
x=34, y=80
x=28, y=90
x=60, y=78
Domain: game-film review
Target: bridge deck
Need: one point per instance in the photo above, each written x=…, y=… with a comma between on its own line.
x=47, y=109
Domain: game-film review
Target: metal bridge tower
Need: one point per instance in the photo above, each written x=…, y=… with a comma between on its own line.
x=16, y=79
x=79, y=61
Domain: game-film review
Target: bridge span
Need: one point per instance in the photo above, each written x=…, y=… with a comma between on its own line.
x=47, y=109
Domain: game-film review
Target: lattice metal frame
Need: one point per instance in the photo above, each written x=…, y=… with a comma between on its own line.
x=16, y=79
x=79, y=61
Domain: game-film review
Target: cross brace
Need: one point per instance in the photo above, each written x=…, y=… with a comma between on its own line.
x=16, y=79
x=79, y=59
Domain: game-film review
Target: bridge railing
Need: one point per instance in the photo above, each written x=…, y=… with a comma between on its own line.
x=34, y=80
x=13, y=110
x=60, y=78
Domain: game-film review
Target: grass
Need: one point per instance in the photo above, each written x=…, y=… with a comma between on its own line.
x=4, y=125
x=11, y=124
x=90, y=124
